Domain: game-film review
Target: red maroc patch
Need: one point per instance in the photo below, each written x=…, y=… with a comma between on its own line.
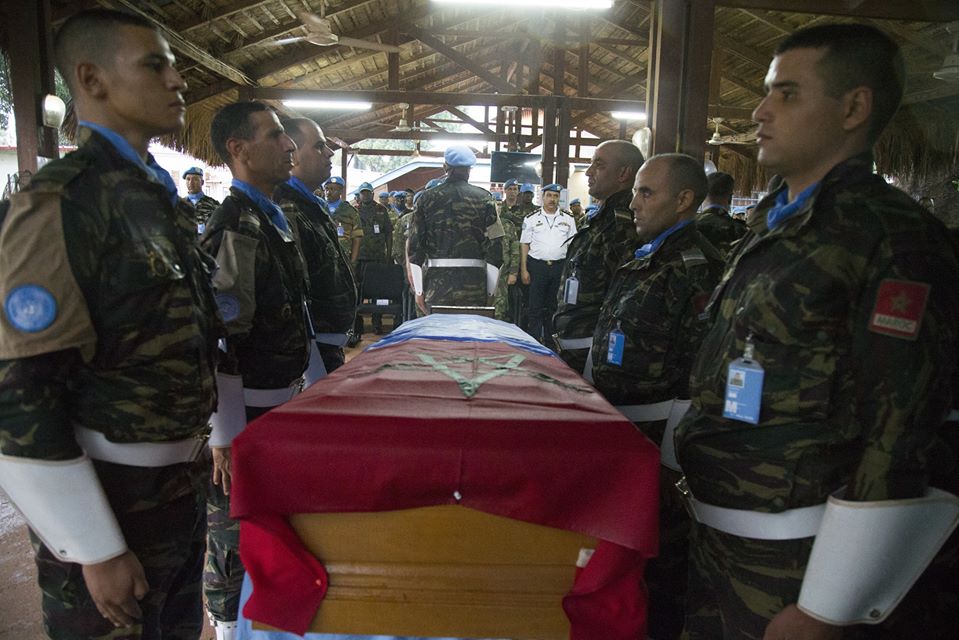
x=900, y=305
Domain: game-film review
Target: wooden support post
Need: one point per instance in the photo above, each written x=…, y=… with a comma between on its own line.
x=562, y=143
x=344, y=165
x=393, y=62
x=681, y=39
x=549, y=142
x=583, y=79
x=31, y=75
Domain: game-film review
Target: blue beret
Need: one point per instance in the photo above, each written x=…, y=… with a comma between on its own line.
x=435, y=182
x=193, y=171
x=574, y=201
x=335, y=180
x=459, y=156
x=366, y=186
x=509, y=183
x=383, y=194
x=527, y=188
x=399, y=194
x=553, y=187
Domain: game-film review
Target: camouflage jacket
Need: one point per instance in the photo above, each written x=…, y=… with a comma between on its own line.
x=203, y=208
x=127, y=345
x=377, y=233
x=400, y=235
x=511, y=252
x=455, y=220
x=595, y=252
x=348, y=227
x=516, y=214
x=657, y=301
x=261, y=291
x=720, y=229
x=332, y=290
x=853, y=309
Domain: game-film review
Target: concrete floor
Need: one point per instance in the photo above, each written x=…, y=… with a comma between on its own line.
x=20, y=617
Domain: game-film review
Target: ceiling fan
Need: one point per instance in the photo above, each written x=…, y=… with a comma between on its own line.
x=320, y=32
x=737, y=138
x=404, y=124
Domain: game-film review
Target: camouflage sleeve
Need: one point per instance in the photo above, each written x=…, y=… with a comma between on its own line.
x=46, y=326
x=357, y=223
x=494, y=237
x=622, y=242
x=415, y=249
x=904, y=347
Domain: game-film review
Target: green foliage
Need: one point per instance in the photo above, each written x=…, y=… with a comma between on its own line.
x=6, y=93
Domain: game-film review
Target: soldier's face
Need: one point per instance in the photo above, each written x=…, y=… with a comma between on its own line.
x=193, y=183
x=312, y=158
x=576, y=209
x=333, y=192
x=268, y=155
x=139, y=89
x=655, y=206
x=366, y=197
x=511, y=193
x=550, y=200
x=799, y=124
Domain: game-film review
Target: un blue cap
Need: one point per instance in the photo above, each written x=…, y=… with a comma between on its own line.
x=382, y=194
x=527, y=188
x=366, y=186
x=193, y=171
x=335, y=180
x=399, y=194
x=509, y=183
x=435, y=182
x=553, y=187
x=459, y=156
x=574, y=201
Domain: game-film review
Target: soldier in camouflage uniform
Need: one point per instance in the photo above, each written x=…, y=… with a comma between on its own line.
x=454, y=236
x=510, y=300
x=576, y=210
x=261, y=293
x=714, y=221
x=597, y=250
x=649, y=328
x=107, y=352
x=202, y=204
x=332, y=292
x=377, y=245
x=349, y=229
x=843, y=292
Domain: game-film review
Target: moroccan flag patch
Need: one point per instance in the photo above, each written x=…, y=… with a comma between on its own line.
x=900, y=305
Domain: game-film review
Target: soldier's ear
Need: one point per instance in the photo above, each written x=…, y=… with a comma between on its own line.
x=236, y=147
x=857, y=107
x=684, y=199
x=90, y=80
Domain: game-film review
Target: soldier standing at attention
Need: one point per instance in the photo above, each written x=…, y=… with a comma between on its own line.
x=202, y=204
x=649, y=329
x=543, y=245
x=261, y=293
x=606, y=242
x=332, y=292
x=349, y=229
x=826, y=373
x=376, y=247
x=455, y=239
x=714, y=221
x=107, y=351
x=576, y=210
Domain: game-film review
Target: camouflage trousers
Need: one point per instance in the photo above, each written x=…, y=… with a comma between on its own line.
x=737, y=585
x=666, y=574
x=223, y=571
x=501, y=302
x=333, y=357
x=167, y=537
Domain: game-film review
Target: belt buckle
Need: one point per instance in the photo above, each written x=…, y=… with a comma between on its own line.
x=549, y=263
x=686, y=496
x=557, y=344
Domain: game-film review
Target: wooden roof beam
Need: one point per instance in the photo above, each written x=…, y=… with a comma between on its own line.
x=462, y=60
x=909, y=10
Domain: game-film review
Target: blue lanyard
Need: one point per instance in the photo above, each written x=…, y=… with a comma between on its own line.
x=650, y=247
x=783, y=209
x=266, y=205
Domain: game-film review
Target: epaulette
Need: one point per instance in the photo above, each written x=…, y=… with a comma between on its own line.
x=56, y=175
x=693, y=257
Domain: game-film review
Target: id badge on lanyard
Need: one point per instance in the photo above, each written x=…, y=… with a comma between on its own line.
x=376, y=228
x=340, y=232
x=744, y=387
x=617, y=344
x=571, y=289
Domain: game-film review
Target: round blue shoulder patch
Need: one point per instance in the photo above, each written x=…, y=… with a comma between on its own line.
x=229, y=307
x=30, y=308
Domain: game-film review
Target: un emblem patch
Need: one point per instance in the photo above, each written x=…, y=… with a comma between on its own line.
x=229, y=307
x=30, y=308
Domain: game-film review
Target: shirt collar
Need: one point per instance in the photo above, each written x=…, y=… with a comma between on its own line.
x=266, y=205
x=651, y=247
x=304, y=190
x=783, y=209
x=194, y=197
x=126, y=150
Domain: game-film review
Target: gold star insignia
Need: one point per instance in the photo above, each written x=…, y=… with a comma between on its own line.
x=900, y=302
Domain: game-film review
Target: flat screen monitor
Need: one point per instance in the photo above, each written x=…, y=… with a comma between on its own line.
x=510, y=164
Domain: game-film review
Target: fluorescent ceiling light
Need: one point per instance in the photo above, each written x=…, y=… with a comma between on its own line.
x=328, y=104
x=573, y=5
x=628, y=115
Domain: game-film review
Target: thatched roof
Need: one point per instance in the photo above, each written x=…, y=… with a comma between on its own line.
x=229, y=47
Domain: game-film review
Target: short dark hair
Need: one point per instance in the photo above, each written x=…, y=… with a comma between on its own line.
x=626, y=154
x=856, y=55
x=87, y=36
x=685, y=172
x=719, y=185
x=233, y=121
